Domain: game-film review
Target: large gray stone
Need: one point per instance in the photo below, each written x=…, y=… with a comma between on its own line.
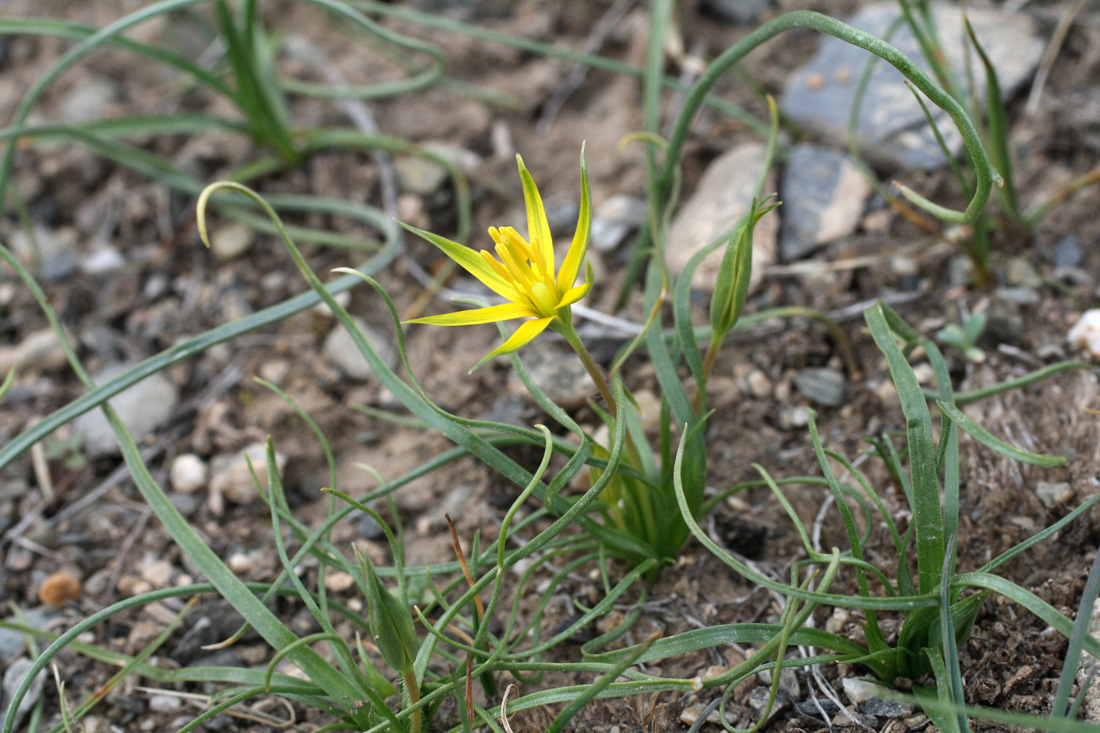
x=823, y=196
x=142, y=408
x=722, y=197
x=13, y=677
x=892, y=127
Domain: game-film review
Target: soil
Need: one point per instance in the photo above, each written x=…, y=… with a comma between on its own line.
x=170, y=288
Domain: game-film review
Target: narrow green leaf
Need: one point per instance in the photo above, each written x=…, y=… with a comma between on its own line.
x=927, y=514
x=980, y=434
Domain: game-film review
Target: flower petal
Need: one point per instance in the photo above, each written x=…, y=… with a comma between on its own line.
x=469, y=260
x=492, y=314
x=571, y=267
x=537, y=226
x=574, y=294
x=523, y=335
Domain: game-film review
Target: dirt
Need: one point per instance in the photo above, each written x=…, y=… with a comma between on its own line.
x=169, y=288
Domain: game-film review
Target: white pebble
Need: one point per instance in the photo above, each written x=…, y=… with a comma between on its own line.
x=164, y=703
x=188, y=473
x=1086, y=332
x=860, y=691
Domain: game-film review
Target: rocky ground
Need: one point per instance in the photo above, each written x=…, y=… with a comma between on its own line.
x=120, y=260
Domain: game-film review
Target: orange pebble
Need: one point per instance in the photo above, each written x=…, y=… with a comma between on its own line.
x=59, y=589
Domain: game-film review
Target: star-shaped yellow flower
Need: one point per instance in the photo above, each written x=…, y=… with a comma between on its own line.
x=522, y=271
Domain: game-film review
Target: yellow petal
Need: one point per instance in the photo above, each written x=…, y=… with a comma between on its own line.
x=574, y=294
x=469, y=260
x=492, y=314
x=571, y=267
x=538, y=229
x=524, y=335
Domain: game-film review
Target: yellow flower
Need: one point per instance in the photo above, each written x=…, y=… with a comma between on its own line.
x=522, y=271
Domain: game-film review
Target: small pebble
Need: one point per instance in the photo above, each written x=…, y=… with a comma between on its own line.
x=615, y=219
x=164, y=703
x=1085, y=334
x=860, y=691
x=849, y=718
x=1020, y=273
x=13, y=678
x=229, y=474
x=188, y=473
x=158, y=574
x=882, y=707
x=650, y=407
x=759, y=384
x=689, y=716
x=1053, y=494
x=59, y=589
x=231, y=241
x=826, y=387
x=342, y=350
x=339, y=582
x=240, y=562
x=810, y=707
x=837, y=621
x=1067, y=252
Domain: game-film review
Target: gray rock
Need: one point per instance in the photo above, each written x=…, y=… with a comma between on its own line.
x=823, y=195
x=369, y=528
x=53, y=249
x=88, y=100
x=883, y=707
x=822, y=386
x=848, y=719
x=37, y=350
x=741, y=12
x=558, y=372
x=615, y=220
x=960, y=271
x=105, y=258
x=892, y=127
x=1067, y=252
x=422, y=176
x=1019, y=295
x=811, y=708
x=1053, y=494
x=1020, y=273
x=13, y=677
x=758, y=701
x=12, y=642
x=186, y=504
x=561, y=214
x=722, y=197
x=341, y=349
x=142, y=408
x=230, y=476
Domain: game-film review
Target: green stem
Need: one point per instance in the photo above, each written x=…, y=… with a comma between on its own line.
x=570, y=335
x=708, y=365
x=414, y=697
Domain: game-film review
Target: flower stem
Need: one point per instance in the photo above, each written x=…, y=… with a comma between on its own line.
x=567, y=331
x=708, y=364
x=414, y=696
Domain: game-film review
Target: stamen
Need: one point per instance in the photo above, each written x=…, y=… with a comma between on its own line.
x=508, y=259
x=498, y=268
